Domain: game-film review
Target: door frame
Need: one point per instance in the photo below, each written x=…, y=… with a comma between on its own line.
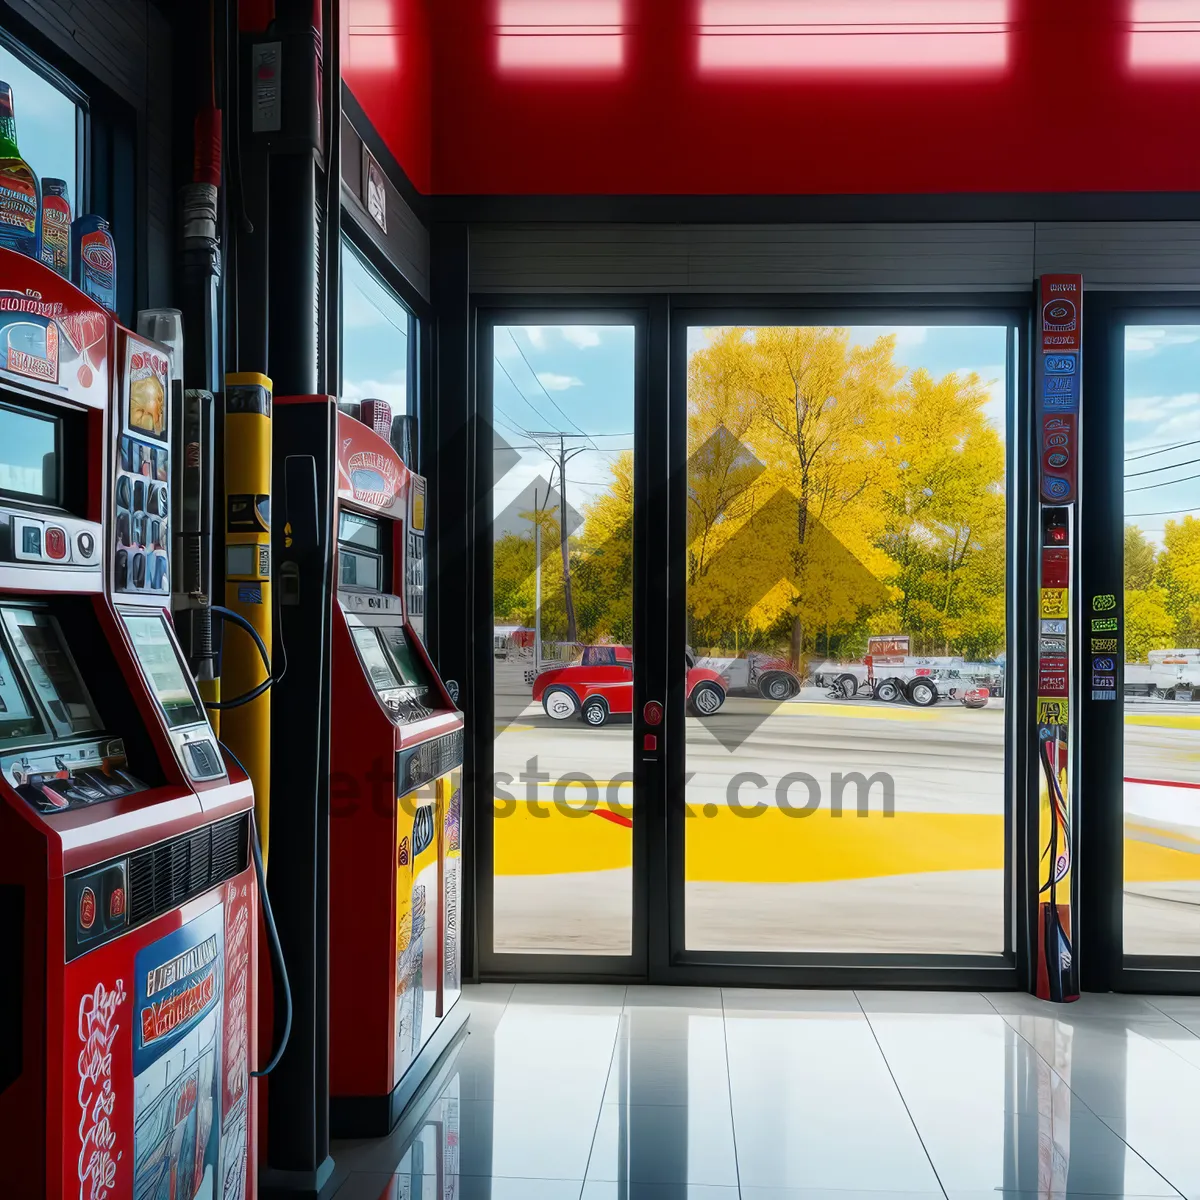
x=1100, y=753
x=660, y=635
x=489, y=312
x=1012, y=967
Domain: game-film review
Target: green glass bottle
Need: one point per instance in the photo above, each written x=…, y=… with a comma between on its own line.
x=20, y=196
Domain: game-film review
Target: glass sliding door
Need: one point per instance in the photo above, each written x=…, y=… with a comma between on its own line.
x=847, y=614
x=1161, y=639
x=563, y=615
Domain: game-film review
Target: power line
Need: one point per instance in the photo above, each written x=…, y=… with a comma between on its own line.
x=529, y=403
x=1166, y=512
x=1161, y=450
x=513, y=338
x=1169, y=467
x=1165, y=483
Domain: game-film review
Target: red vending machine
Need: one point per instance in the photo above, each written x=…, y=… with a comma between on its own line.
x=127, y=896
x=396, y=748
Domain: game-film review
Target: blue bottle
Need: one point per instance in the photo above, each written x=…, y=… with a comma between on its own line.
x=94, y=260
x=20, y=195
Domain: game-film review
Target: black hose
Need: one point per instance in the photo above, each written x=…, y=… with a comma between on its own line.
x=254, y=693
x=272, y=933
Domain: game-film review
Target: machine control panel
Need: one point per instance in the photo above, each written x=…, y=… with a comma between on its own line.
x=48, y=542
x=56, y=778
x=392, y=664
x=158, y=655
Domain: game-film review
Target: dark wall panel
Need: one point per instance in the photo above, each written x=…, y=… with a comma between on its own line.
x=406, y=243
x=843, y=257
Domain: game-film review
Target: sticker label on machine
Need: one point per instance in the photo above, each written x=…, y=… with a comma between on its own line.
x=1062, y=311
x=142, y=489
x=54, y=336
x=416, y=940
x=177, y=1060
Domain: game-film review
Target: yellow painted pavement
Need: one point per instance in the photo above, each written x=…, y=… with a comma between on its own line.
x=773, y=847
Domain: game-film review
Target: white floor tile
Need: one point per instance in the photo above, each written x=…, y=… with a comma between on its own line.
x=1070, y=1150
x=602, y=1092
x=547, y=1140
x=642, y=996
x=780, y=1000
x=671, y=1071
x=925, y=1003
x=598, y=1189
x=678, y=1144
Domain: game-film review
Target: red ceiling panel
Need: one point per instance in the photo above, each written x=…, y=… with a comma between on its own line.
x=782, y=96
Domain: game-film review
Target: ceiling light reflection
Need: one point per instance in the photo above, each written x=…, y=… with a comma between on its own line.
x=875, y=36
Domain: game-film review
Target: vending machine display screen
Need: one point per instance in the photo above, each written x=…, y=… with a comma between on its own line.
x=160, y=663
x=29, y=445
x=18, y=719
x=39, y=646
x=379, y=668
x=361, y=554
x=408, y=665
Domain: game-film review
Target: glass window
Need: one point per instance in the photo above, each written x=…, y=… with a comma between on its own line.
x=376, y=328
x=847, y=583
x=562, y=555
x=1162, y=641
x=47, y=128
x=164, y=672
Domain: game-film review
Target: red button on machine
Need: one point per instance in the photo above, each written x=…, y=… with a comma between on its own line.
x=116, y=904
x=87, y=908
x=56, y=542
x=649, y=742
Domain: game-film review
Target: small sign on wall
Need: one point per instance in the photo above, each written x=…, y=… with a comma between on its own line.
x=374, y=190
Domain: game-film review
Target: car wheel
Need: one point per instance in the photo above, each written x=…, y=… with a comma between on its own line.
x=777, y=686
x=922, y=693
x=887, y=690
x=707, y=698
x=846, y=686
x=560, y=704
x=595, y=711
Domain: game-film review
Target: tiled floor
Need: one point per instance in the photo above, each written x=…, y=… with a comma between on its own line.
x=580, y=1092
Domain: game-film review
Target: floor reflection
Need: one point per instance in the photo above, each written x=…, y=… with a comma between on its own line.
x=614, y=1093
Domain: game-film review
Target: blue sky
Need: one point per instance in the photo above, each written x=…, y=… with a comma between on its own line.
x=580, y=377
x=563, y=377
x=1162, y=411
x=374, y=337
x=45, y=123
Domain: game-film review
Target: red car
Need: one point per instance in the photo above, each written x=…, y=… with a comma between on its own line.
x=601, y=684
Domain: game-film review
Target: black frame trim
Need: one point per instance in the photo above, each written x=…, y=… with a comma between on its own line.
x=1101, y=750
x=491, y=964
x=658, y=839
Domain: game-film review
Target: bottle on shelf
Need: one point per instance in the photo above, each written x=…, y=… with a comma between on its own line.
x=94, y=260
x=56, y=226
x=20, y=196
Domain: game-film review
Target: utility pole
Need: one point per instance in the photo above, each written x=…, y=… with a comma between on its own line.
x=560, y=459
x=537, y=604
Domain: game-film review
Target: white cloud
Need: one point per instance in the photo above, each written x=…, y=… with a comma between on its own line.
x=582, y=337
x=1140, y=409
x=905, y=335
x=1145, y=339
x=394, y=391
x=553, y=382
